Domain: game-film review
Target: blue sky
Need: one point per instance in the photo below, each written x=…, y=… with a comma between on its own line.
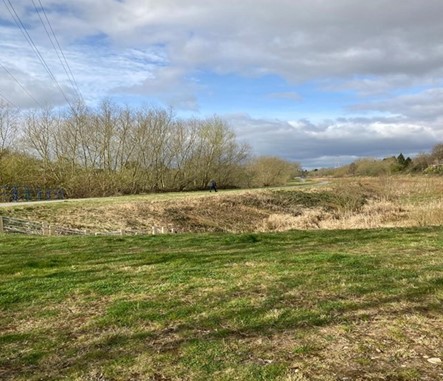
x=319, y=82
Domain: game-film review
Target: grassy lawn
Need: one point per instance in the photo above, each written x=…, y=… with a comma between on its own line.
x=300, y=305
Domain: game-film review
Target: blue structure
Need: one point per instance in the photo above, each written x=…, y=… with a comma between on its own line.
x=25, y=193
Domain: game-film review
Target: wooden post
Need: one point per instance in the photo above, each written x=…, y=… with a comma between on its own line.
x=1, y=225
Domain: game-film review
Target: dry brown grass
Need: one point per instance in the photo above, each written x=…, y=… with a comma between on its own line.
x=353, y=203
x=391, y=202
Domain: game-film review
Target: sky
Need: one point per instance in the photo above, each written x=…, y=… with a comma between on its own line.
x=319, y=82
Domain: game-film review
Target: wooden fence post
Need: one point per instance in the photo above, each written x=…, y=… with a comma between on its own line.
x=1, y=224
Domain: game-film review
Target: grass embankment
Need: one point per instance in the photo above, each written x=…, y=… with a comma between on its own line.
x=352, y=203
x=319, y=305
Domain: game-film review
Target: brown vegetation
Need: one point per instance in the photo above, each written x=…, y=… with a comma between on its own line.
x=337, y=204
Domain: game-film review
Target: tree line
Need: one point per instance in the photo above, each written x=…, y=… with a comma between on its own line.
x=423, y=163
x=110, y=150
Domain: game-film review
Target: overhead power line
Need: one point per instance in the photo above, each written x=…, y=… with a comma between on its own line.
x=28, y=38
x=19, y=83
x=61, y=56
x=2, y=96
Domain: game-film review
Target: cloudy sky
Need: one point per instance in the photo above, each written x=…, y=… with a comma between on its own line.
x=320, y=82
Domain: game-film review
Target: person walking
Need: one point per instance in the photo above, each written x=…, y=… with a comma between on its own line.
x=212, y=186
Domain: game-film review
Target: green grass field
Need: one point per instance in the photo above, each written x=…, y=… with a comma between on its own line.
x=318, y=305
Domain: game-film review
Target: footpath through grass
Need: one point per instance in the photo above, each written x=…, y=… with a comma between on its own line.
x=319, y=305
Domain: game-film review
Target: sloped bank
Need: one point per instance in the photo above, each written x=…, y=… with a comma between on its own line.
x=353, y=206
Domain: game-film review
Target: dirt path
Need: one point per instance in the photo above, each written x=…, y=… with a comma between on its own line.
x=22, y=203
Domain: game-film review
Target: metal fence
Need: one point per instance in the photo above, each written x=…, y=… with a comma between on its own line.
x=14, y=225
x=23, y=193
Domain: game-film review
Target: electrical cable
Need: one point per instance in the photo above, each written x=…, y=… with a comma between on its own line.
x=8, y=100
x=61, y=56
x=28, y=38
x=18, y=82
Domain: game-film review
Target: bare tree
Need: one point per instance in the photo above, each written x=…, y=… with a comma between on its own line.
x=110, y=150
x=270, y=171
x=182, y=146
x=8, y=134
x=217, y=152
x=40, y=128
x=39, y=134
x=8, y=126
x=437, y=153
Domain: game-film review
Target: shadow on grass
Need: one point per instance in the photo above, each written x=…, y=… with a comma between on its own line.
x=256, y=286
x=185, y=327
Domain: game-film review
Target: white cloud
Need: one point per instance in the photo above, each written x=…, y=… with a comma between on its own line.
x=342, y=139
x=386, y=56
x=300, y=40
x=425, y=105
